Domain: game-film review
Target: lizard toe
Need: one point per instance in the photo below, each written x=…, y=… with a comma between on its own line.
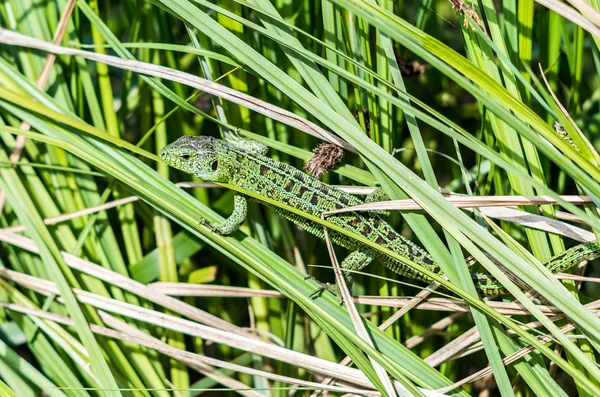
x=319, y=291
x=334, y=289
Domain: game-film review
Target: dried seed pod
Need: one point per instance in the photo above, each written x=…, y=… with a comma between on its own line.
x=326, y=157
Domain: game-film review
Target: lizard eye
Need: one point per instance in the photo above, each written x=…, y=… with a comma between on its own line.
x=185, y=156
x=214, y=165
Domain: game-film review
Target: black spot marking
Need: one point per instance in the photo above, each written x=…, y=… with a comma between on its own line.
x=427, y=260
x=392, y=235
x=288, y=187
x=299, y=176
x=303, y=189
x=314, y=200
x=379, y=240
x=354, y=221
x=264, y=169
x=276, y=173
x=344, y=200
x=325, y=189
x=367, y=230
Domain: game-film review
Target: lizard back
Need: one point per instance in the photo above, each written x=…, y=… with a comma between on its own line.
x=288, y=185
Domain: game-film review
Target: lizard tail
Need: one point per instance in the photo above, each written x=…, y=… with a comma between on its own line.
x=489, y=285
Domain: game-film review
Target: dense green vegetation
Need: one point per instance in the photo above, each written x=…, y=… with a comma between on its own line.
x=109, y=286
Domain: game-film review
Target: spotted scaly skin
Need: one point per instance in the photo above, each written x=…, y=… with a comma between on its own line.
x=243, y=164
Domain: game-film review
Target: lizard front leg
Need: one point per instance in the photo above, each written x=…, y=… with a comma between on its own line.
x=356, y=261
x=235, y=220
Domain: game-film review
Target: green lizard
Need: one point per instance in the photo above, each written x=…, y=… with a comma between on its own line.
x=243, y=164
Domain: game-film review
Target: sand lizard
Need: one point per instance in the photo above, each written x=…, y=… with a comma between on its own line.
x=243, y=163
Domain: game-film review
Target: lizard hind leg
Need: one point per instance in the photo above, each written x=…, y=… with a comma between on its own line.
x=356, y=261
x=378, y=195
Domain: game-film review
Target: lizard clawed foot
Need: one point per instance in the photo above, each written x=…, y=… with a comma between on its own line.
x=318, y=291
x=214, y=228
x=206, y=223
x=333, y=288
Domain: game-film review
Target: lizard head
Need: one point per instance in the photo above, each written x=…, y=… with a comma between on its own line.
x=196, y=155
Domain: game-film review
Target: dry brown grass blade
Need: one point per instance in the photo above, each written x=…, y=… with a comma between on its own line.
x=416, y=302
x=496, y=211
x=571, y=14
x=589, y=12
x=466, y=202
x=472, y=348
x=200, y=362
x=538, y=222
x=103, y=207
x=498, y=207
x=178, y=324
x=575, y=277
x=453, y=348
x=356, y=318
x=205, y=290
x=451, y=305
x=435, y=328
x=15, y=155
x=208, y=86
x=509, y=359
x=130, y=285
x=531, y=325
